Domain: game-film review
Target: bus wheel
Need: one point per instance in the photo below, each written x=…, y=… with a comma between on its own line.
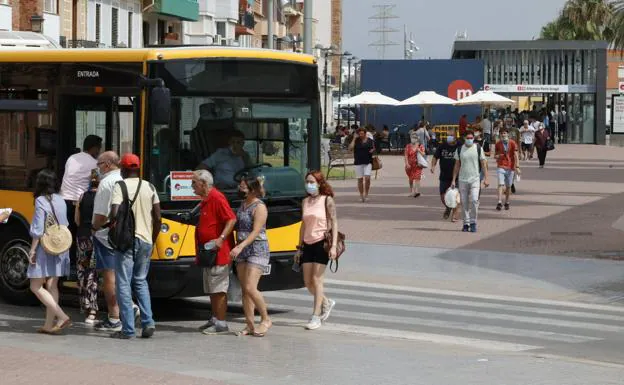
x=14, y=284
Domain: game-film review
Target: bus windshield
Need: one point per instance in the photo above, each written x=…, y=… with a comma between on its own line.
x=220, y=125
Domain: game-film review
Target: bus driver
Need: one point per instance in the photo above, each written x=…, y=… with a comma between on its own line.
x=224, y=163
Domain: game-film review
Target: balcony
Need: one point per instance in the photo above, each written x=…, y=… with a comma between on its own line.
x=279, y=29
x=291, y=11
x=82, y=44
x=186, y=10
x=246, y=24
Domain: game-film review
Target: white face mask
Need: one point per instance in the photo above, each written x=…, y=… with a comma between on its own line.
x=312, y=188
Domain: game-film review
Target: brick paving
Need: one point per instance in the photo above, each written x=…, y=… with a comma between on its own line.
x=567, y=208
x=57, y=369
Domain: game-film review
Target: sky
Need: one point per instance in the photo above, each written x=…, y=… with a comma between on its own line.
x=434, y=23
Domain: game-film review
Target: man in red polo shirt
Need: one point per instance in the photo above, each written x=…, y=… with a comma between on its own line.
x=506, y=153
x=216, y=223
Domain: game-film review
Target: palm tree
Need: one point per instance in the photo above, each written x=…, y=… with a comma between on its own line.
x=559, y=29
x=584, y=20
x=618, y=25
x=591, y=19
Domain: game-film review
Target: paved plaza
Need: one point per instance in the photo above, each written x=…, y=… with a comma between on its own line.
x=535, y=297
x=567, y=208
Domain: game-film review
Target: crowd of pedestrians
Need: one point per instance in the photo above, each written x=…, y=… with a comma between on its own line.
x=99, y=190
x=463, y=159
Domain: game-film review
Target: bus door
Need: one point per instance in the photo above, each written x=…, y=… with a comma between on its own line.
x=113, y=118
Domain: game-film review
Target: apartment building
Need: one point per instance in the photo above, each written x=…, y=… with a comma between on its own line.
x=216, y=24
x=113, y=23
x=42, y=16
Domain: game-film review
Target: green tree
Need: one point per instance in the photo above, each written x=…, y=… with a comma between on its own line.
x=585, y=20
x=618, y=24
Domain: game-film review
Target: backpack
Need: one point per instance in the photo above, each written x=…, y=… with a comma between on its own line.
x=478, y=154
x=122, y=227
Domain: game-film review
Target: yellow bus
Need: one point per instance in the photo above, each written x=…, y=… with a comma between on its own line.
x=175, y=107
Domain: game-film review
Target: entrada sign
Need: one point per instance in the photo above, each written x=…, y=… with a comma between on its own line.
x=88, y=74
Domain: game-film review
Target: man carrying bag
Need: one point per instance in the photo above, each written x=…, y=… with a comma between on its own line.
x=213, y=236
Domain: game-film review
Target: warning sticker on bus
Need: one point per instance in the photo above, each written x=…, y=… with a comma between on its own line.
x=181, y=188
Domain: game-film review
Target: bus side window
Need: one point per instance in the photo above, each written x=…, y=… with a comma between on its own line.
x=22, y=144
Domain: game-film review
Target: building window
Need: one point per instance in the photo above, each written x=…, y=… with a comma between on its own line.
x=50, y=6
x=115, y=27
x=98, y=19
x=130, y=16
x=221, y=28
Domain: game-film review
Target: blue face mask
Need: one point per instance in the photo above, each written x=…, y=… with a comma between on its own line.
x=469, y=142
x=312, y=188
x=450, y=139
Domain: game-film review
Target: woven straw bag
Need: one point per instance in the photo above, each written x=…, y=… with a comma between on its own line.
x=56, y=238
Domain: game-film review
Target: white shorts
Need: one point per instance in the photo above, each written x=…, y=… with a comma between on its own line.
x=362, y=170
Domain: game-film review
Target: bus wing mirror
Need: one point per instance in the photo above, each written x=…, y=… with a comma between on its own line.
x=161, y=105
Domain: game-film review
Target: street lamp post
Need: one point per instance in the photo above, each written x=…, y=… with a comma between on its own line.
x=346, y=53
x=325, y=80
x=349, y=61
x=327, y=53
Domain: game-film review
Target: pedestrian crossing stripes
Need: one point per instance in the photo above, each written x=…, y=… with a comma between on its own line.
x=490, y=322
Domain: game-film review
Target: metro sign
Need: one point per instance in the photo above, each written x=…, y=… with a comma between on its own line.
x=621, y=87
x=459, y=89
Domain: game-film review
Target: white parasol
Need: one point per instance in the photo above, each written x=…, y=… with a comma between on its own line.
x=484, y=98
x=427, y=98
x=370, y=99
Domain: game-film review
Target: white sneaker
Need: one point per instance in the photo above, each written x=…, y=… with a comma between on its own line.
x=137, y=314
x=327, y=309
x=314, y=323
x=90, y=321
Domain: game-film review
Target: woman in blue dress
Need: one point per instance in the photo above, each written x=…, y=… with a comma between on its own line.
x=44, y=270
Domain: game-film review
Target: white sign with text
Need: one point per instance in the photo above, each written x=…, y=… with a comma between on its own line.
x=181, y=186
x=617, y=122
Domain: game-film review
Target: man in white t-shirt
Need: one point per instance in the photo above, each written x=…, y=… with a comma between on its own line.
x=132, y=266
x=108, y=164
x=469, y=160
x=527, y=137
x=76, y=177
x=486, y=129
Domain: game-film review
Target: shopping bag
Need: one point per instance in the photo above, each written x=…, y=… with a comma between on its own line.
x=422, y=160
x=234, y=292
x=451, y=198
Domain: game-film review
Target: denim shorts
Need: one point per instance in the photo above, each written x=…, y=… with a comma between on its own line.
x=505, y=177
x=104, y=257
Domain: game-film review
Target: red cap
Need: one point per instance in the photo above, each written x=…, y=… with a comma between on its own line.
x=130, y=161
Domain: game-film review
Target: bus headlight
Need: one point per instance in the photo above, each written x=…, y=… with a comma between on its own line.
x=169, y=252
x=164, y=228
x=175, y=238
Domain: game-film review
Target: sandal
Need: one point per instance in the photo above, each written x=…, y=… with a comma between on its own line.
x=244, y=332
x=58, y=329
x=43, y=330
x=262, y=333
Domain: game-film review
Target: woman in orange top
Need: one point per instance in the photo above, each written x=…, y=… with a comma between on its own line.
x=319, y=215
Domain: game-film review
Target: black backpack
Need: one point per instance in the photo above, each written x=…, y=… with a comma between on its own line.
x=478, y=152
x=122, y=227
